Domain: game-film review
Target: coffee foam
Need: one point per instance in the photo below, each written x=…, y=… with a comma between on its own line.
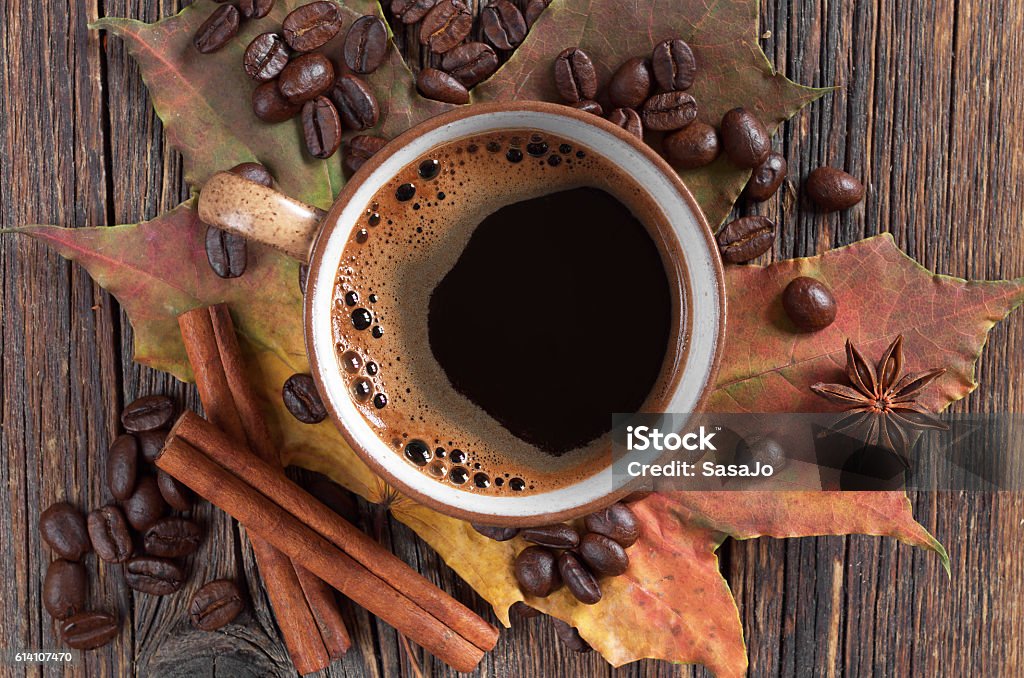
x=394, y=260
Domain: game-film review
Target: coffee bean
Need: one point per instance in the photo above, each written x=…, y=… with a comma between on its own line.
x=669, y=111
x=833, y=189
x=761, y=449
x=746, y=238
x=64, y=589
x=446, y=25
x=766, y=178
x=255, y=9
x=172, y=538
x=559, y=536
x=411, y=11
x=503, y=24
x=809, y=304
x=356, y=103
x=174, y=492
x=696, y=145
x=62, y=526
x=569, y=636
x=303, y=400
x=745, y=138
x=110, y=535
x=440, y=86
x=145, y=506
x=321, y=127
x=265, y=57
x=155, y=576
x=366, y=44
x=496, y=533
x=522, y=610
x=269, y=105
x=589, y=106
x=253, y=171
x=534, y=8
x=147, y=413
x=617, y=522
x=218, y=30
x=89, y=630
x=536, y=571
x=122, y=466
x=311, y=26
x=151, y=443
x=360, y=148
x=471, y=63
x=306, y=77
x=631, y=84
x=578, y=579
x=303, y=275
x=603, y=555
x=629, y=120
x=226, y=252
x=673, y=65
x=216, y=604
x=575, y=77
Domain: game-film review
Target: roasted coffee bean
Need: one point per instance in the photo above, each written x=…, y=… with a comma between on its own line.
x=578, y=579
x=603, y=555
x=745, y=138
x=218, y=30
x=446, y=25
x=746, y=238
x=631, y=84
x=110, y=535
x=559, y=536
x=766, y=178
x=356, y=103
x=673, y=65
x=471, y=63
x=761, y=449
x=496, y=533
x=89, y=630
x=172, y=538
x=360, y=148
x=589, y=106
x=155, y=576
x=366, y=44
x=150, y=443
x=253, y=171
x=321, y=127
x=174, y=492
x=536, y=570
x=503, y=24
x=303, y=400
x=629, y=120
x=255, y=9
x=265, y=57
x=696, y=145
x=122, y=466
x=669, y=111
x=64, y=589
x=303, y=275
x=832, y=189
x=145, y=506
x=306, y=77
x=523, y=611
x=440, y=86
x=311, y=26
x=269, y=104
x=216, y=604
x=411, y=11
x=569, y=636
x=147, y=413
x=617, y=521
x=62, y=526
x=575, y=77
x=226, y=252
x=809, y=304
x=534, y=8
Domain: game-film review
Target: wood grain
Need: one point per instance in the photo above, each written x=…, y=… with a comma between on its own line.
x=928, y=115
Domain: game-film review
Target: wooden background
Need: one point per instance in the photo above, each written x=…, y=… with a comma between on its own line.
x=930, y=117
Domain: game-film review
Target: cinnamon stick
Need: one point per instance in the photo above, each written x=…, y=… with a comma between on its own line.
x=310, y=623
x=311, y=550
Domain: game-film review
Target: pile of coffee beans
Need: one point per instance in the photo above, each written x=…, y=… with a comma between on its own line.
x=135, y=532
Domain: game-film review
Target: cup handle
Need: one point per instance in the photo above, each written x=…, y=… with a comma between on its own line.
x=235, y=204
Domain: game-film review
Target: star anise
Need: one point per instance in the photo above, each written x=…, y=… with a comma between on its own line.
x=880, y=402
